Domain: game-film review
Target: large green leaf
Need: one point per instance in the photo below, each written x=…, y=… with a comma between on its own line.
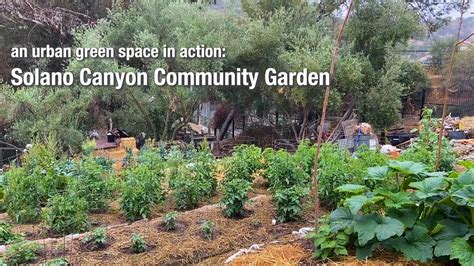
x=377, y=173
x=372, y=225
x=396, y=200
x=428, y=187
x=449, y=230
x=388, y=227
x=341, y=218
x=408, y=168
x=365, y=228
x=463, y=251
x=355, y=203
x=406, y=216
x=351, y=188
x=464, y=196
x=415, y=245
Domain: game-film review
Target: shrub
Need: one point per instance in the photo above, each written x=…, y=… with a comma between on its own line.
x=187, y=189
x=97, y=239
x=138, y=243
x=244, y=162
x=170, y=220
x=234, y=196
x=93, y=184
x=22, y=196
x=284, y=172
x=204, y=167
x=21, y=253
x=208, y=228
x=304, y=155
x=141, y=189
x=289, y=202
x=66, y=214
x=7, y=236
x=333, y=172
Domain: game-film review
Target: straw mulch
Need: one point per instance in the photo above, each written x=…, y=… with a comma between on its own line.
x=185, y=245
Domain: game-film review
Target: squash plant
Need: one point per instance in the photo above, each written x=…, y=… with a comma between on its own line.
x=428, y=215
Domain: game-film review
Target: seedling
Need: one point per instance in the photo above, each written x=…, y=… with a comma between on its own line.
x=170, y=220
x=208, y=229
x=138, y=243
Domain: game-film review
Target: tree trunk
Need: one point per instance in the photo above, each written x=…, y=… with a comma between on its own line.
x=145, y=115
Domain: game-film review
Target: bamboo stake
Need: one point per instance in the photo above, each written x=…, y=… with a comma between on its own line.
x=447, y=85
x=323, y=114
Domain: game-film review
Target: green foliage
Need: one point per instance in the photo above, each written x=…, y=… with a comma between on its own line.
x=139, y=191
x=96, y=239
x=284, y=171
x=93, y=183
x=203, y=165
x=462, y=250
x=234, y=196
x=139, y=244
x=7, y=236
x=327, y=243
x=304, y=155
x=187, y=190
x=244, y=162
x=333, y=172
x=424, y=149
x=423, y=224
x=22, y=196
x=21, y=253
x=208, y=229
x=66, y=214
x=289, y=202
x=170, y=220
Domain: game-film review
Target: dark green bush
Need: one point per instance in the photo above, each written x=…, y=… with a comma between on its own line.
x=234, y=196
x=22, y=196
x=140, y=191
x=186, y=190
x=65, y=214
x=289, y=202
x=94, y=184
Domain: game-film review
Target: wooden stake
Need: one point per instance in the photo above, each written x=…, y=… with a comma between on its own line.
x=446, y=89
x=323, y=114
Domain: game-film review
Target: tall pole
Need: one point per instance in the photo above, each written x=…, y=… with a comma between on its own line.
x=446, y=88
x=323, y=114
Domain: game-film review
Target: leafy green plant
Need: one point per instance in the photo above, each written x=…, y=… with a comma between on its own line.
x=94, y=184
x=234, y=196
x=170, y=219
x=284, y=171
x=327, y=243
x=289, y=202
x=304, y=155
x=204, y=167
x=22, y=196
x=187, y=189
x=208, y=229
x=97, y=239
x=21, y=253
x=425, y=148
x=66, y=214
x=141, y=189
x=7, y=236
x=139, y=245
x=333, y=172
x=423, y=224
